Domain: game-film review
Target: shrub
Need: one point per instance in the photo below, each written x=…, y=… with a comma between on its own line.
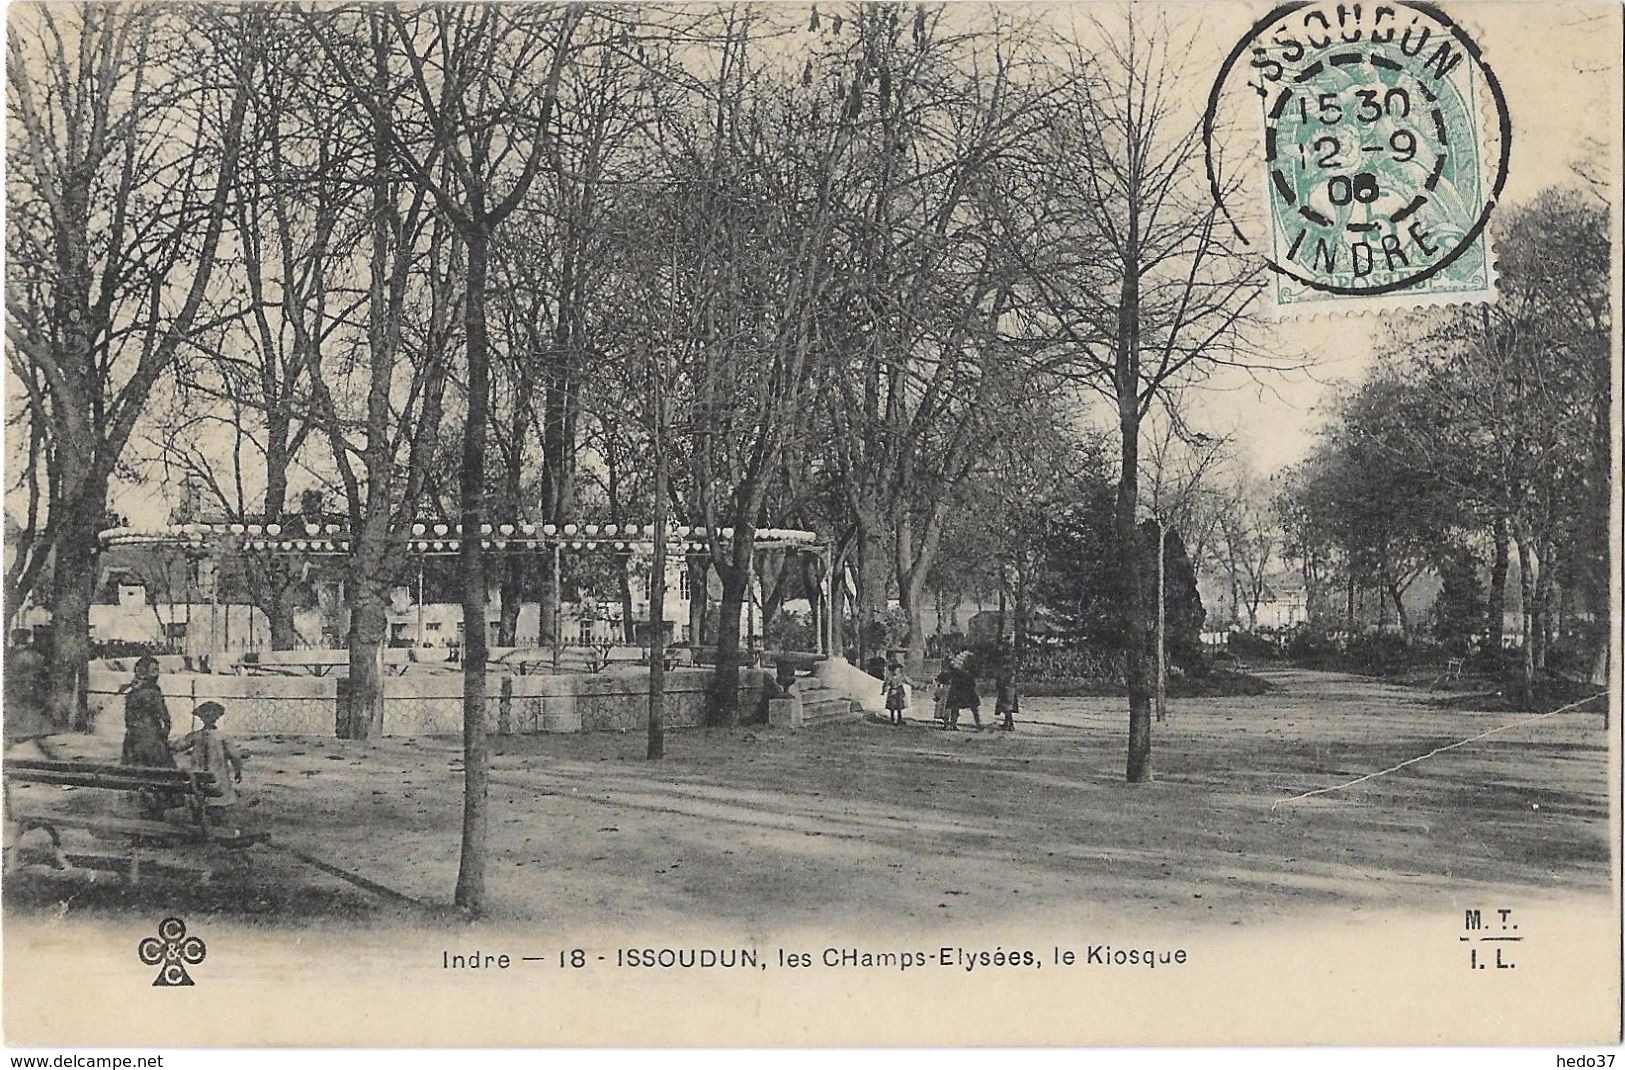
x=1574, y=653
x=1252, y=645
x=1217, y=682
x=122, y=648
x=1307, y=644
x=790, y=631
x=1384, y=654
x=1080, y=663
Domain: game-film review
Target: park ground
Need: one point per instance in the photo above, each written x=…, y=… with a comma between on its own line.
x=859, y=824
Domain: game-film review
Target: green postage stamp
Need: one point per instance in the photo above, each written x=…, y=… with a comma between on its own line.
x=1385, y=141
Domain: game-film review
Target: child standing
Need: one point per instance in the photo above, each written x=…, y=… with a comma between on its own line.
x=895, y=687
x=213, y=753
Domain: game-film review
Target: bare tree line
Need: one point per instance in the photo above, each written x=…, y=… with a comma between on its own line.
x=482, y=264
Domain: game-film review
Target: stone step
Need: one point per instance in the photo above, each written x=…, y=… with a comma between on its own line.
x=828, y=708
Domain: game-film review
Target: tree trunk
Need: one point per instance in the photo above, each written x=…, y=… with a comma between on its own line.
x=913, y=599
x=874, y=582
x=370, y=554
x=873, y=586
x=1526, y=589
x=547, y=600
x=1004, y=589
x=513, y=595
x=772, y=594
x=284, y=636
x=471, y=556
x=1542, y=615
x=1018, y=651
x=656, y=745
x=1001, y=703
x=841, y=610
x=362, y=717
x=1162, y=622
x=1498, y=587
x=723, y=709
x=699, y=594
x=623, y=558
x=916, y=552
x=368, y=578
x=1132, y=606
x=28, y=549
x=73, y=586
x=1311, y=588
x=558, y=450
x=1404, y=618
x=276, y=578
x=812, y=581
x=628, y=610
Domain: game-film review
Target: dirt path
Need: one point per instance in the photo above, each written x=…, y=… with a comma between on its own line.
x=883, y=827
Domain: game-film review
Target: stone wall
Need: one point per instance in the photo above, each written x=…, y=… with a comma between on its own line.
x=422, y=703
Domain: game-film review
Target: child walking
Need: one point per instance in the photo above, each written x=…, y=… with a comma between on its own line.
x=895, y=687
x=213, y=753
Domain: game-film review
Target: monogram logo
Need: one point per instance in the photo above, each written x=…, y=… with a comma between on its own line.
x=172, y=951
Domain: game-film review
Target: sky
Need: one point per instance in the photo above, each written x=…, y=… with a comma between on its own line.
x=1559, y=65
x=1559, y=68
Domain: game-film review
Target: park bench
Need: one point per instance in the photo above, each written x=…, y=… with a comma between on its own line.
x=140, y=835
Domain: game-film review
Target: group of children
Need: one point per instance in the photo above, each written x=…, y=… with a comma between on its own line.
x=953, y=690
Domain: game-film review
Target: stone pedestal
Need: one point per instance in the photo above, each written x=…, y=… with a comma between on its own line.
x=785, y=712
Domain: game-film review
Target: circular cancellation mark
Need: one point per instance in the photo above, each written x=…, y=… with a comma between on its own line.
x=1379, y=174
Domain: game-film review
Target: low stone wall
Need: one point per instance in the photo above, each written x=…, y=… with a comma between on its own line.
x=255, y=705
x=249, y=662
x=424, y=703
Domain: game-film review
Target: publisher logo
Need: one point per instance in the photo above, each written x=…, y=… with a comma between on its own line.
x=172, y=951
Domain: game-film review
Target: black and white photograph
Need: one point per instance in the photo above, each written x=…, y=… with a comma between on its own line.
x=798, y=525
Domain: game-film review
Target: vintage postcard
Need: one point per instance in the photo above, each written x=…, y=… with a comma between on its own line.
x=855, y=524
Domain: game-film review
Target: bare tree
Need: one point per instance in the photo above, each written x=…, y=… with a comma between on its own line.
x=929, y=378
x=1248, y=542
x=1503, y=409
x=1179, y=462
x=122, y=169
x=491, y=127
x=383, y=472
x=754, y=167
x=249, y=382
x=29, y=542
x=1141, y=281
x=1305, y=534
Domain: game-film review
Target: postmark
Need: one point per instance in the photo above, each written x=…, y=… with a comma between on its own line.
x=1384, y=140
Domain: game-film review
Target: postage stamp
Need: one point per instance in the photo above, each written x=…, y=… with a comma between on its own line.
x=1385, y=144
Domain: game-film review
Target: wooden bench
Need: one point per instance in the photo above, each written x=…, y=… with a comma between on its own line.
x=139, y=834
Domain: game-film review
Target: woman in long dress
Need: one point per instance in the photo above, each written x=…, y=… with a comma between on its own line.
x=146, y=719
x=146, y=731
